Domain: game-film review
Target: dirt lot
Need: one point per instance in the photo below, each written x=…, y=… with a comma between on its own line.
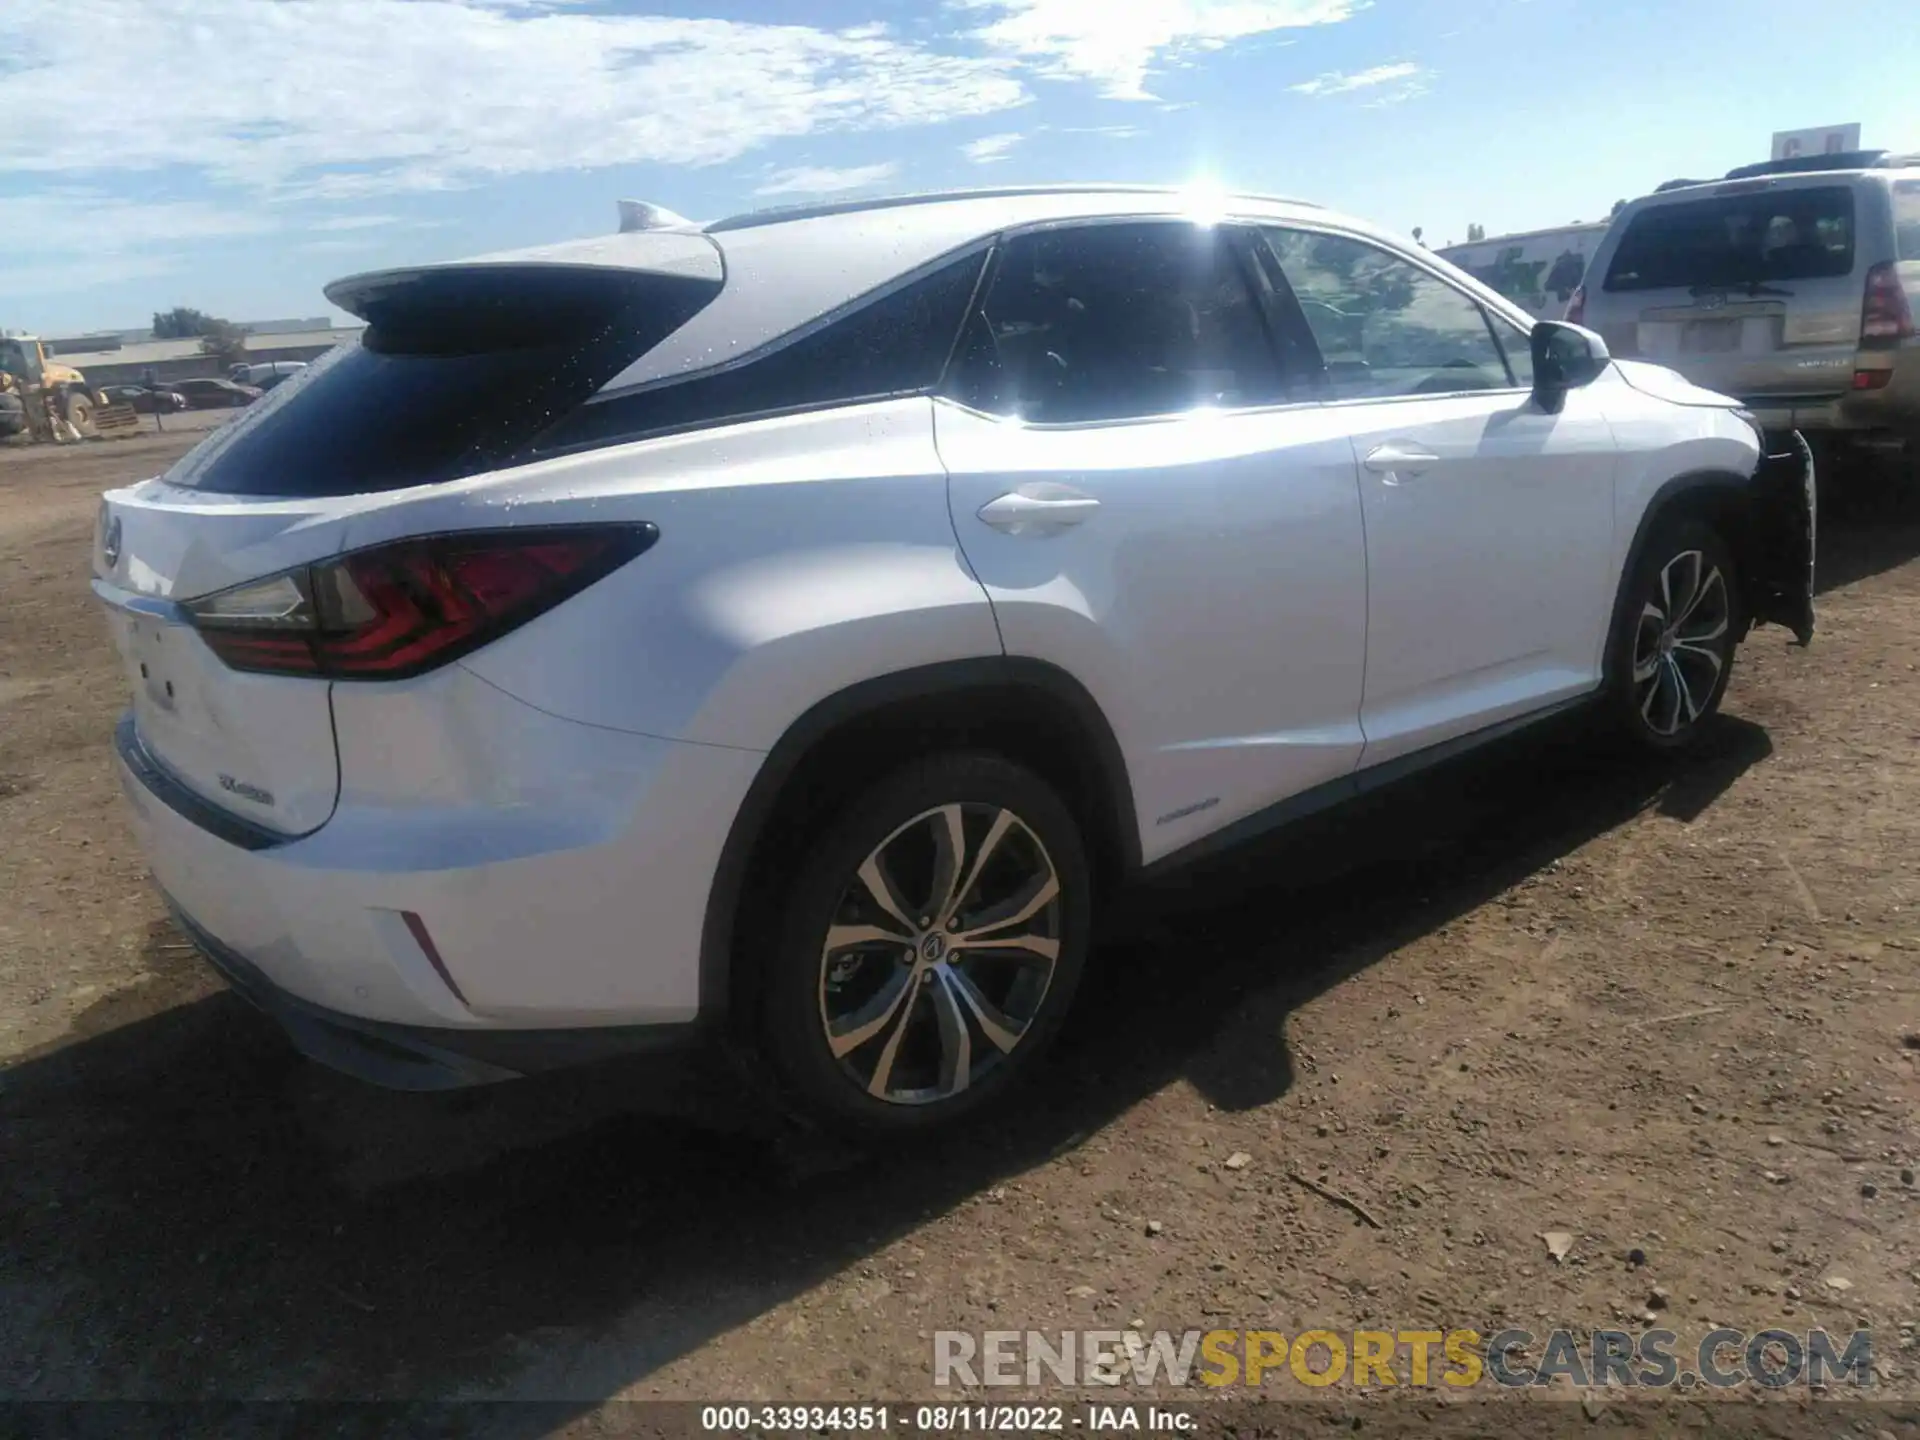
x=1672, y=1010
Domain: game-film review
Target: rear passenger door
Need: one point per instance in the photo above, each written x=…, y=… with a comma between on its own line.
x=1156, y=503
x=1489, y=522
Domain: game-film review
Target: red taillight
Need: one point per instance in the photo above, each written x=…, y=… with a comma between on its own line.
x=1577, y=306
x=1872, y=379
x=397, y=610
x=1886, y=315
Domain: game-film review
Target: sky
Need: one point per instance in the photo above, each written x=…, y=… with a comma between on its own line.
x=235, y=155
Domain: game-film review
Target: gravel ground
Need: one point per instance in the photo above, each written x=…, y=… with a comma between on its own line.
x=1671, y=1010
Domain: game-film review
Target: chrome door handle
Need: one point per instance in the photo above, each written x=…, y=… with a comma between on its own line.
x=1038, y=509
x=1401, y=460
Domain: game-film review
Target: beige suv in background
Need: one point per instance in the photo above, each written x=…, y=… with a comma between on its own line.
x=1791, y=285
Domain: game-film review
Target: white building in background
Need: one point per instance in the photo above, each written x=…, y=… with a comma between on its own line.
x=1538, y=269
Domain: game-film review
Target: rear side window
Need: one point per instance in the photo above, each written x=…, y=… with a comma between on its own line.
x=1906, y=219
x=1111, y=322
x=457, y=371
x=1731, y=241
x=894, y=345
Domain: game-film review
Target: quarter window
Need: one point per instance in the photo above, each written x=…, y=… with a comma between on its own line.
x=1112, y=322
x=893, y=345
x=1906, y=219
x=1385, y=326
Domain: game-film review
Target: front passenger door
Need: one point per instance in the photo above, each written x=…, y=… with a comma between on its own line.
x=1489, y=521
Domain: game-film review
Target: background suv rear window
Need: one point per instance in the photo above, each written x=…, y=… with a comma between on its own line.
x=1731, y=241
x=457, y=372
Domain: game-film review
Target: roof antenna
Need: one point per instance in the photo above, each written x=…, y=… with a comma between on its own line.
x=639, y=215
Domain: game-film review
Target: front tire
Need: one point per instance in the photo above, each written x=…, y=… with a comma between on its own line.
x=1672, y=652
x=79, y=414
x=930, y=948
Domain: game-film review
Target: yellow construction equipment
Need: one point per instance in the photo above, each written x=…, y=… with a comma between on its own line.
x=41, y=396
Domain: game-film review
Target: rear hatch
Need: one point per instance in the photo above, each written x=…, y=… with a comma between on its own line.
x=460, y=369
x=1753, y=289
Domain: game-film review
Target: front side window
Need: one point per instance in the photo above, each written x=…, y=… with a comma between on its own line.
x=1117, y=322
x=1385, y=326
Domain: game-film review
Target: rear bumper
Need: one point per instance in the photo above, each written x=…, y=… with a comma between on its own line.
x=1891, y=410
x=490, y=871
x=419, y=1057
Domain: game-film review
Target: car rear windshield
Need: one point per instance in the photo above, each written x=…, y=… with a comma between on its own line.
x=1734, y=241
x=457, y=371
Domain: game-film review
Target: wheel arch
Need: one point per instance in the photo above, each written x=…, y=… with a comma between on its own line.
x=1719, y=498
x=1033, y=712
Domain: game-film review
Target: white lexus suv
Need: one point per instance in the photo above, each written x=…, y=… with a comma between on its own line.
x=782, y=629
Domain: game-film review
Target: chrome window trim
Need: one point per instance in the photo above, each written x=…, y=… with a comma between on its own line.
x=1167, y=417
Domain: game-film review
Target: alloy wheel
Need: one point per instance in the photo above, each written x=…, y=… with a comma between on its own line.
x=940, y=955
x=1681, y=646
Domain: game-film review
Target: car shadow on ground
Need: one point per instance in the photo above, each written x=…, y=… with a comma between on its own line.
x=189, y=1210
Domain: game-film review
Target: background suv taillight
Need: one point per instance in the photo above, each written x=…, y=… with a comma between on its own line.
x=1886, y=315
x=397, y=610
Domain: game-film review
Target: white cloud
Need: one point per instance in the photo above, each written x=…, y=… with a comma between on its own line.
x=989, y=148
x=77, y=220
x=1335, y=83
x=331, y=99
x=825, y=179
x=339, y=245
x=356, y=222
x=1111, y=132
x=1117, y=43
x=74, y=237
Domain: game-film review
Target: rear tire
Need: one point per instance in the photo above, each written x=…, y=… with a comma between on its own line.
x=1671, y=655
x=876, y=1012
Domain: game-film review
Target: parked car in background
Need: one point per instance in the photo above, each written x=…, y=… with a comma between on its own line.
x=804, y=655
x=266, y=374
x=207, y=394
x=1536, y=269
x=144, y=399
x=1790, y=284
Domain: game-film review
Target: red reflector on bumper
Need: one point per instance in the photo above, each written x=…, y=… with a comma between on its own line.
x=417, y=928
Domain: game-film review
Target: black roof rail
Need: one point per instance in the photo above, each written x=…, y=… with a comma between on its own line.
x=1804, y=164
x=1678, y=185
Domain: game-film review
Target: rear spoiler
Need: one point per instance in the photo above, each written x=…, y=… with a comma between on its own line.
x=674, y=254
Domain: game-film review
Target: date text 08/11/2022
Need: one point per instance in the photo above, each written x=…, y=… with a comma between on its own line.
x=947, y=1419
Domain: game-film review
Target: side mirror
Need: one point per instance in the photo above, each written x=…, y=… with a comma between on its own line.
x=1565, y=357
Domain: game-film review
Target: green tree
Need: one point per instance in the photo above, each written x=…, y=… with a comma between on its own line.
x=225, y=341
x=1476, y=232
x=180, y=323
